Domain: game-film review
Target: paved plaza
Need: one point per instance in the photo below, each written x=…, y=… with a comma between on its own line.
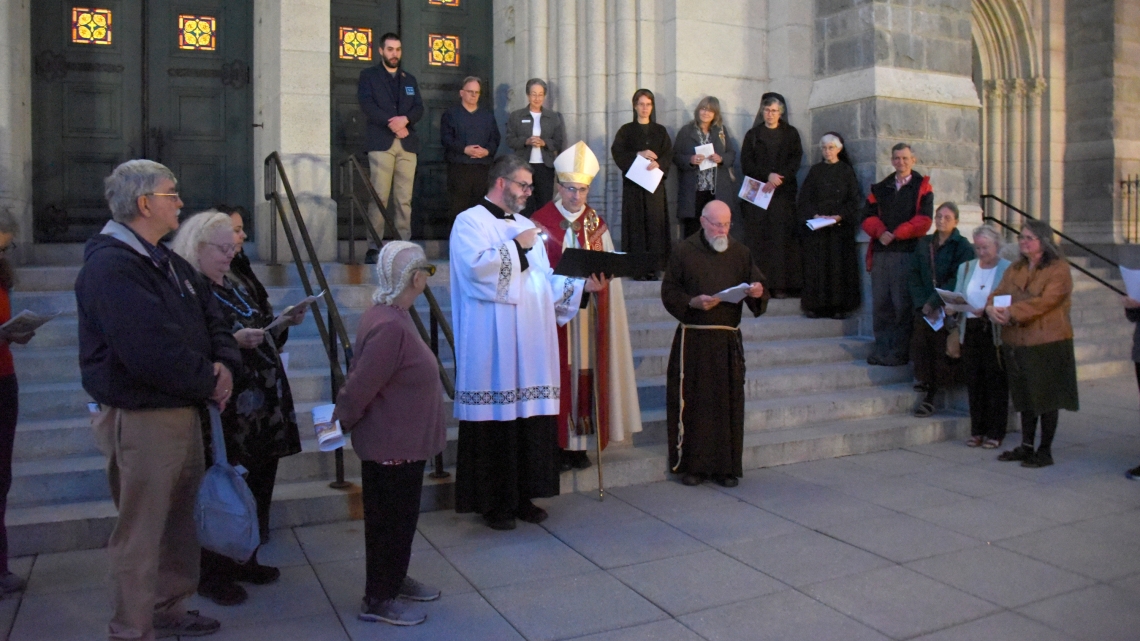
x=936, y=542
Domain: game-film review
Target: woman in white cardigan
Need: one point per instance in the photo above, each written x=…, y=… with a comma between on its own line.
x=986, y=382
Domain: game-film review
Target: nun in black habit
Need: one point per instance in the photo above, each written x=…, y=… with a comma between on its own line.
x=771, y=153
x=644, y=215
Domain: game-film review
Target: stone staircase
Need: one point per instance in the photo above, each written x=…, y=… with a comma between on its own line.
x=809, y=395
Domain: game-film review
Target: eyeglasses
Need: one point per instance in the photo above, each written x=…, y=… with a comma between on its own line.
x=1026, y=239
x=772, y=110
x=473, y=92
x=577, y=190
x=423, y=265
x=526, y=187
x=710, y=223
x=172, y=194
x=225, y=248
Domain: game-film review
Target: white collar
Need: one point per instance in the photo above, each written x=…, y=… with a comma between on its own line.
x=569, y=215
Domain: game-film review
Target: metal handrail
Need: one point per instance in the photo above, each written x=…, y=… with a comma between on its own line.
x=275, y=170
x=350, y=169
x=1084, y=271
x=1026, y=214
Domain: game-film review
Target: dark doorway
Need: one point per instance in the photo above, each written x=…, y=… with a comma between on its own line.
x=158, y=79
x=458, y=32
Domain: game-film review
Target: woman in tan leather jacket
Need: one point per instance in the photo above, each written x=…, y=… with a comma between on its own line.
x=1037, y=340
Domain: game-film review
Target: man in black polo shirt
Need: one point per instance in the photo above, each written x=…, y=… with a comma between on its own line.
x=898, y=212
x=391, y=101
x=470, y=137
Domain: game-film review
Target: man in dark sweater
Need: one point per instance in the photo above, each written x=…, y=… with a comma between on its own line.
x=392, y=105
x=153, y=350
x=898, y=212
x=470, y=137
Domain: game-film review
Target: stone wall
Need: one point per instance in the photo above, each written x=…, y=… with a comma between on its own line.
x=16, y=116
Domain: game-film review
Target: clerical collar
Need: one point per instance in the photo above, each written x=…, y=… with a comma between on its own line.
x=567, y=214
x=496, y=210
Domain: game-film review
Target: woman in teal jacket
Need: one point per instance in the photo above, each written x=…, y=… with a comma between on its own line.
x=986, y=383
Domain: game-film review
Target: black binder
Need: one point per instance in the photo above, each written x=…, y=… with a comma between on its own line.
x=581, y=263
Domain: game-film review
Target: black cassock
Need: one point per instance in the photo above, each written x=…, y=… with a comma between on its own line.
x=713, y=426
x=772, y=234
x=831, y=262
x=644, y=215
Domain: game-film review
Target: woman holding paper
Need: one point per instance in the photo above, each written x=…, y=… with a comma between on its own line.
x=771, y=153
x=9, y=396
x=935, y=266
x=259, y=422
x=986, y=382
x=393, y=404
x=644, y=214
x=1032, y=305
x=704, y=153
x=831, y=271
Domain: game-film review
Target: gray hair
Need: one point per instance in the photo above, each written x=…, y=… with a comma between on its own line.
x=901, y=146
x=470, y=79
x=832, y=139
x=8, y=223
x=772, y=100
x=395, y=266
x=950, y=205
x=194, y=231
x=505, y=167
x=130, y=180
x=991, y=232
x=537, y=81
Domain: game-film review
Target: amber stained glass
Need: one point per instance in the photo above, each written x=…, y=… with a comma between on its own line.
x=444, y=3
x=90, y=26
x=443, y=50
x=197, y=33
x=355, y=43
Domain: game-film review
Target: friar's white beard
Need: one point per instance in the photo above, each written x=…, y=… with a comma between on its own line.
x=720, y=243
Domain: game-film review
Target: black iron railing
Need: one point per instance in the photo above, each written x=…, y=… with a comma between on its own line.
x=1130, y=208
x=1013, y=230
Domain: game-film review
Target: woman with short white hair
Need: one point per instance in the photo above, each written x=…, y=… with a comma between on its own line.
x=392, y=403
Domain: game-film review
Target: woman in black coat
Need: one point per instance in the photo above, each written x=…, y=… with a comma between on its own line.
x=695, y=186
x=644, y=215
x=771, y=153
x=831, y=262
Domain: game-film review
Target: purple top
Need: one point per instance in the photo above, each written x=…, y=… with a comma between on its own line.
x=392, y=401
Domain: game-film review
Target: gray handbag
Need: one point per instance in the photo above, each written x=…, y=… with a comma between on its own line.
x=226, y=513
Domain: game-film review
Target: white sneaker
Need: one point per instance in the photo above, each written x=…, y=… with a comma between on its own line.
x=391, y=611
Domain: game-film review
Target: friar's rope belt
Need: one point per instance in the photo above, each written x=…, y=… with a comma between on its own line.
x=681, y=389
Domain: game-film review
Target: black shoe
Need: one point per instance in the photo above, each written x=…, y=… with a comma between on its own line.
x=223, y=592
x=1038, y=459
x=810, y=314
x=874, y=360
x=726, y=481
x=1133, y=474
x=1019, y=453
x=530, y=513
x=257, y=573
x=579, y=460
x=371, y=256
x=692, y=479
x=563, y=461
x=499, y=522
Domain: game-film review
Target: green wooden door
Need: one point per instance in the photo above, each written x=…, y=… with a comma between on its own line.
x=159, y=79
x=444, y=41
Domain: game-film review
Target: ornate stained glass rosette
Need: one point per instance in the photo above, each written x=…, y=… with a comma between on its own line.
x=197, y=33
x=444, y=3
x=355, y=43
x=90, y=26
x=443, y=50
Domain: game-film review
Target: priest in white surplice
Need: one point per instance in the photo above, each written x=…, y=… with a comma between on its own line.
x=506, y=307
x=594, y=346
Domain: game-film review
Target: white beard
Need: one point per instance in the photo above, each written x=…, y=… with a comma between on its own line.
x=720, y=244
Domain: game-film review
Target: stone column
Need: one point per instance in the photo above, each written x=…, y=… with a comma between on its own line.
x=16, y=118
x=565, y=87
x=292, y=102
x=537, y=23
x=1033, y=148
x=1015, y=149
x=995, y=134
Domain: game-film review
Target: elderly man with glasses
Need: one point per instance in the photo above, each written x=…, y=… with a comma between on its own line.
x=154, y=348
x=506, y=306
x=470, y=137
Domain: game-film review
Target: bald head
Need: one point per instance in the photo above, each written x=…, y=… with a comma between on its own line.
x=716, y=218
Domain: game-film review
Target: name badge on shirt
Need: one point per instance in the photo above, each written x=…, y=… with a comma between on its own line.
x=527, y=120
x=411, y=91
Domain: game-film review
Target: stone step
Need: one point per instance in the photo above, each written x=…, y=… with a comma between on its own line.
x=88, y=524
x=777, y=328
x=653, y=361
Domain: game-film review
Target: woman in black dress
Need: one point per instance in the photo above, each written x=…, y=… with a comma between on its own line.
x=644, y=216
x=831, y=263
x=259, y=421
x=771, y=153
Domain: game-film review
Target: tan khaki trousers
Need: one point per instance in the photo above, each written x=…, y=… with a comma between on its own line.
x=393, y=170
x=154, y=466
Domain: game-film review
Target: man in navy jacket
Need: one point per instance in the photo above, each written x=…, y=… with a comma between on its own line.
x=391, y=101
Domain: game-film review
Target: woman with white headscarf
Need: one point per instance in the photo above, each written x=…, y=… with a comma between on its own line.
x=392, y=403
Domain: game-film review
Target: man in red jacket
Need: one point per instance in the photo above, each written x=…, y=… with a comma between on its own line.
x=898, y=212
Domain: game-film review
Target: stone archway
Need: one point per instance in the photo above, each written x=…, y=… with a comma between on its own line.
x=1013, y=89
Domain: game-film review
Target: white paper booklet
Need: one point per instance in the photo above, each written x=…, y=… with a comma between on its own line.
x=1003, y=301
x=1131, y=282
x=706, y=151
x=281, y=318
x=753, y=191
x=954, y=301
x=819, y=223
x=25, y=322
x=734, y=294
x=640, y=173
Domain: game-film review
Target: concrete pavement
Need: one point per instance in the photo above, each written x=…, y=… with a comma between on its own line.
x=935, y=542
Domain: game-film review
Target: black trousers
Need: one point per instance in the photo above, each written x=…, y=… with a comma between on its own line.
x=391, y=498
x=503, y=464
x=466, y=185
x=892, y=314
x=216, y=568
x=986, y=383
x=9, y=409
x=543, y=179
x=1048, y=429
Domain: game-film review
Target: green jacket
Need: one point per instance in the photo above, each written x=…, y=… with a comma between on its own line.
x=955, y=251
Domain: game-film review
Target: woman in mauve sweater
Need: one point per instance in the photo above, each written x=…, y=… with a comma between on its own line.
x=392, y=403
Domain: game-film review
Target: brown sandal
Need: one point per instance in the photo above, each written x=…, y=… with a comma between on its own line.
x=974, y=441
x=991, y=444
